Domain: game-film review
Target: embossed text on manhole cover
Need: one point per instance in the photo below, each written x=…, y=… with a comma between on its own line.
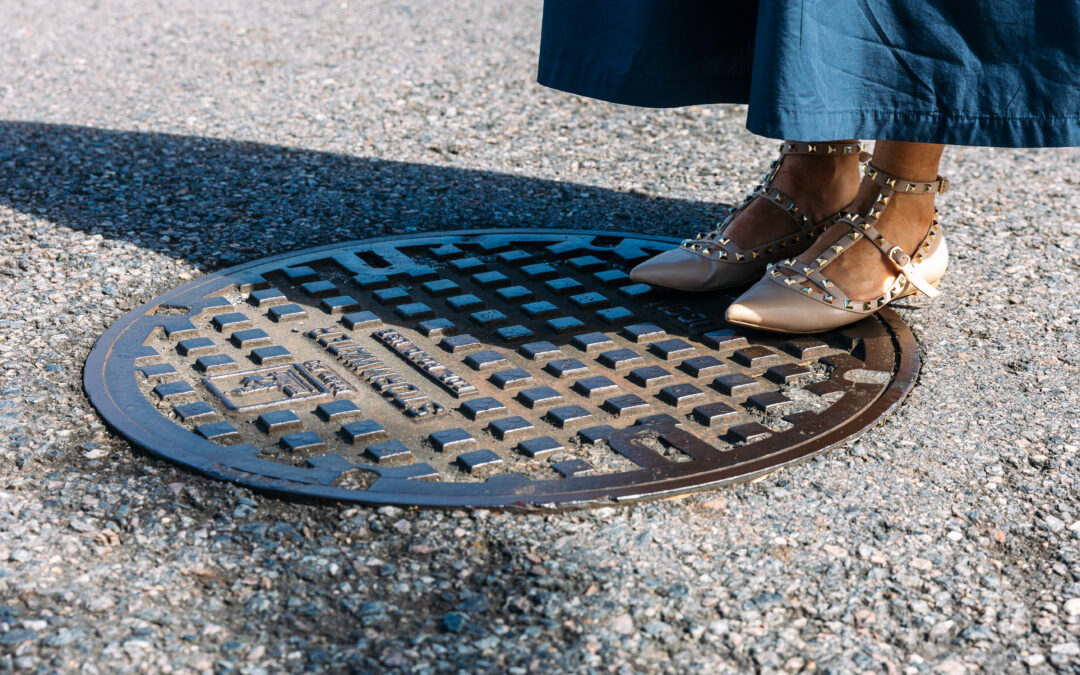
x=510, y=368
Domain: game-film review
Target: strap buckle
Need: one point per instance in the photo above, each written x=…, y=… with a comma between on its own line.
x=897, y=255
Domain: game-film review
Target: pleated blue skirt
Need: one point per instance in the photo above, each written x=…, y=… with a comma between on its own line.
x=967, y=72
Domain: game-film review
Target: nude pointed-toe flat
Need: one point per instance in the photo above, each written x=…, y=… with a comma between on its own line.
x=711, y=261
x=796, y=297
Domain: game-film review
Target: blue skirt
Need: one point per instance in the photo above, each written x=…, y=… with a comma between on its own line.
x=966, y=72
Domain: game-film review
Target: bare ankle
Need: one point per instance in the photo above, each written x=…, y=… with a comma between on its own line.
x=824, y=184
x=911, y=161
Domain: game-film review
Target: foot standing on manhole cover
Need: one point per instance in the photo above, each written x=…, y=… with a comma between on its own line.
x=823, y=250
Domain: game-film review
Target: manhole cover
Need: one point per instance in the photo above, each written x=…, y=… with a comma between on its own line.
x=510, y=368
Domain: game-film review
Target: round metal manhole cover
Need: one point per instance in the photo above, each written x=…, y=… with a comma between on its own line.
x=509, y=368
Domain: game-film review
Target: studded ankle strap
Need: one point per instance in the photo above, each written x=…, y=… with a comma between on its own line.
x=891, y=184
x=825, y=149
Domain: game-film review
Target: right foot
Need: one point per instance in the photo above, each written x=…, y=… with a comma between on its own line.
x=886, y=247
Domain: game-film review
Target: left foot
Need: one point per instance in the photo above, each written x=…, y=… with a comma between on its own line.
x=797, y=199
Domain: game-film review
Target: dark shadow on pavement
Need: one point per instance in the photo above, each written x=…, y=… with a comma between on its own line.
x=217, y=202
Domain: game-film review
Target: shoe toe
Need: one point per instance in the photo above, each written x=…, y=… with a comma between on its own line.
x=687, y=271
x=677, y=268
x=758, y=307
x=744, y=314
x=769, y=306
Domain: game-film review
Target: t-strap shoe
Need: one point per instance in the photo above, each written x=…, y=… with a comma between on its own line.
x=711, y=261
x=796, y=296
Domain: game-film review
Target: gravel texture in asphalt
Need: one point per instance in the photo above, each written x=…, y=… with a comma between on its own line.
x=142, y=144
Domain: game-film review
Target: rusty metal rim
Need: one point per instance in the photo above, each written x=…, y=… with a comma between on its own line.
x=125, y=419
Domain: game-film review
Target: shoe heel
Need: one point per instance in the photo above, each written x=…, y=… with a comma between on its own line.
x=933, y=265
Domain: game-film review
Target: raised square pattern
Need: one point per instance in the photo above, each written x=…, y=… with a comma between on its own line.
x=478, y=460
x=538, y=397
x=627, y=403
x=540, y=351
x=362, y=432
x=509, y=427
x=414, y=311
x=231, y=321
x=618, y=359
x=461, y=303
x=672, y=349
x=539, y=448
x=278, y=422
x=649, y=376
x=338, y=304
x=702, y=366
x=565, y=368
x=592, y=342
x=566, y=416
x=286, y=313
x=595, y=386
x=364, y=319
x=736, y=384
x=484, y=360
x=643, y=332
x=681, y=394
x=482, y=407
x=451, y=440
x=565, y=324
x=512, y=378
x=305, y=441
x=337, y=411
x=388, y=452
x=251, y=337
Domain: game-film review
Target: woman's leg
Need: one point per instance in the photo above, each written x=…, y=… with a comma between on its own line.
x=863, y=272
x=821, y=185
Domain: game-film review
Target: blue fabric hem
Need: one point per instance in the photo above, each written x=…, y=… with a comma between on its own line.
x=918, y=127
x=638, y=91
x=914, y=126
